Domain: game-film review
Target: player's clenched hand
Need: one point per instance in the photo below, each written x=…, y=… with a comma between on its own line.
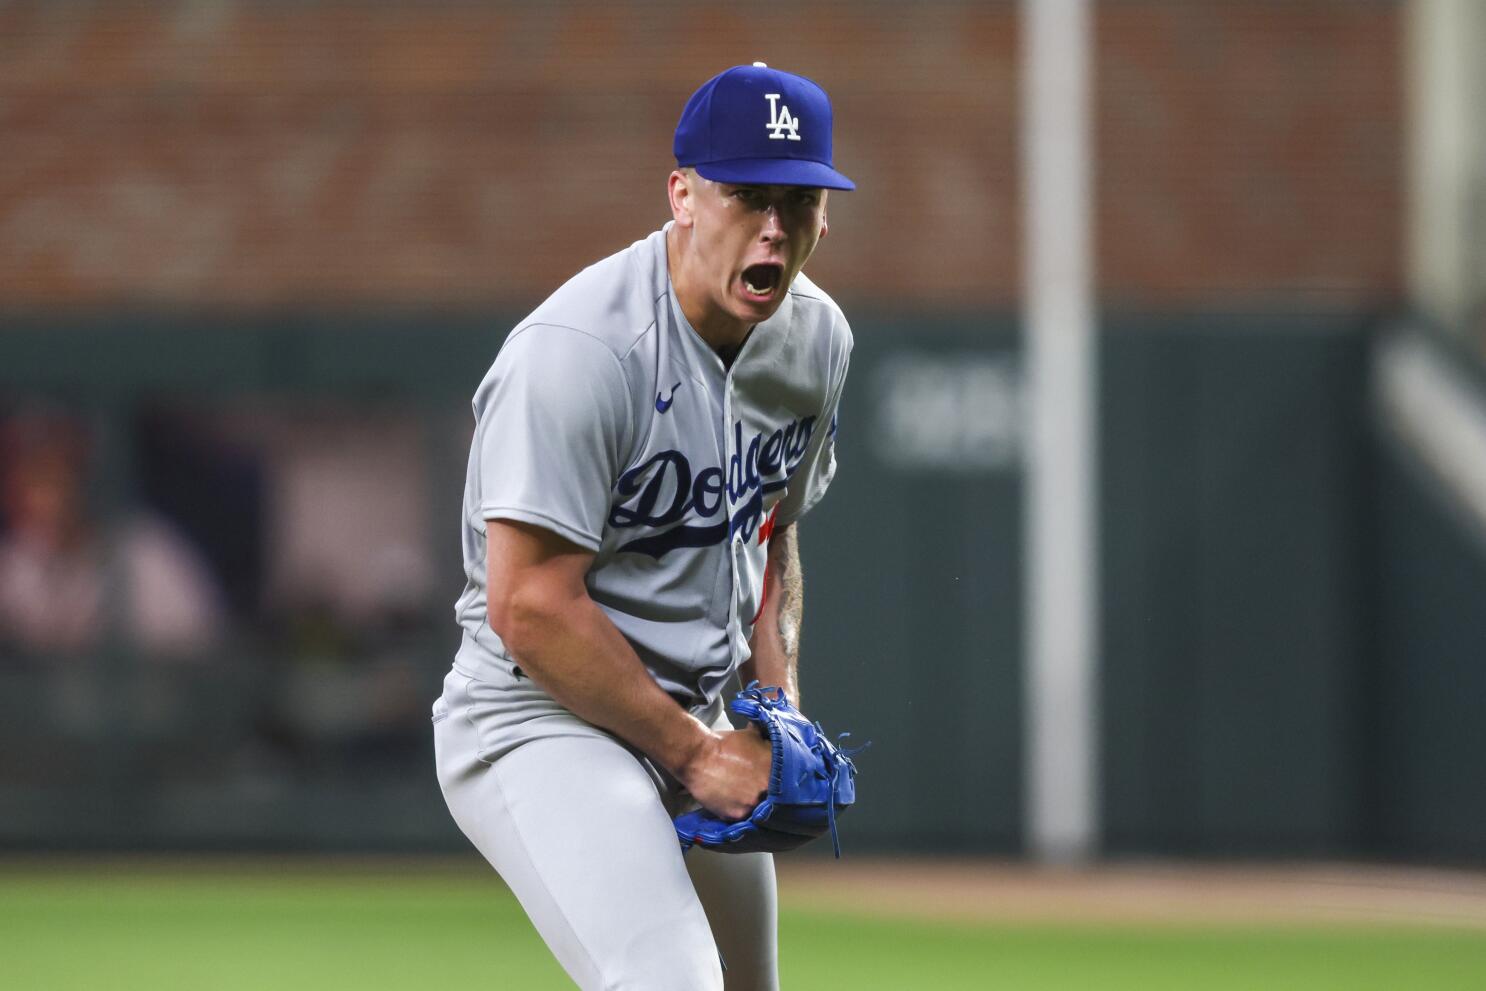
x=729, y=774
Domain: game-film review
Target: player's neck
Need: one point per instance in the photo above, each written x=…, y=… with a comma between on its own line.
x=719, y=329
x=722, y=333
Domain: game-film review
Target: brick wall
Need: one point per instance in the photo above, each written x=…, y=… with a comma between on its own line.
x=269, y=154
x=1250, y=149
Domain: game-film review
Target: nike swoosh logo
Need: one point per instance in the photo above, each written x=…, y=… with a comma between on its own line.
x=663, y=404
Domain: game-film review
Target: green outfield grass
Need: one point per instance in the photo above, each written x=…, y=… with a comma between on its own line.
x=240, y=928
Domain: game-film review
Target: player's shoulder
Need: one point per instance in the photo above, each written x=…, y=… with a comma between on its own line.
x=614, y=301
x=581, y=337
x=819, y=316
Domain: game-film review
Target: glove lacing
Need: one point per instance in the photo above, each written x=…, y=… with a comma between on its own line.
x=835, y=757
x=844, y=763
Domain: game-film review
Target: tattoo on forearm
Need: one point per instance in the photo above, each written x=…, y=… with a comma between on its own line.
x=791, y=598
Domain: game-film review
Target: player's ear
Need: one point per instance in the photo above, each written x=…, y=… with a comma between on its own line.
x=679, y=188
x=825, y=224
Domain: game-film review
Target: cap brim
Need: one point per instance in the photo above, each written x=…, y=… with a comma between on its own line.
x=775, y=172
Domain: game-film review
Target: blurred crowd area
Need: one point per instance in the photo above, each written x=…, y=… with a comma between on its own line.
x=262, y=567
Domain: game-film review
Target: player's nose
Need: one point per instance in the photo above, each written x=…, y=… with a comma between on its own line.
x=773, y=230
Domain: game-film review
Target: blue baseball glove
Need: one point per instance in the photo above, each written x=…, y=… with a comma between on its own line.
x=812, y=782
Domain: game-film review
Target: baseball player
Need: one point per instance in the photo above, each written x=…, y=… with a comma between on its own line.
x=645, y=443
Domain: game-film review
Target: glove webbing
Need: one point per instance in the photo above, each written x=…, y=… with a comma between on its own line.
x=774, y=699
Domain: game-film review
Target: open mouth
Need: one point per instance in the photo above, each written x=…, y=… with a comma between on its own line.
x=761, y=281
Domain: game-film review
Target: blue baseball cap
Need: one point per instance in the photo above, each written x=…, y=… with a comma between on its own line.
x=760, y=126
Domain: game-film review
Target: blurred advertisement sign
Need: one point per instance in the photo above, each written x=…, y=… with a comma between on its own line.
x=949, y=412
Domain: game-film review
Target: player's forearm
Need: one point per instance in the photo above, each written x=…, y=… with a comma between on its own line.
x=568, y=646
x=776, y=636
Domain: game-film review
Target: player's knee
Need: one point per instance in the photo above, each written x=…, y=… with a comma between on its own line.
x=667, y=978
x=669, y=961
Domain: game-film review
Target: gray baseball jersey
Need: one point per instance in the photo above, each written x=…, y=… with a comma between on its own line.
x=606, y=419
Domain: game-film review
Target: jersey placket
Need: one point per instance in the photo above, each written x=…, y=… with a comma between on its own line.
x=735, y=544
x=737, y=636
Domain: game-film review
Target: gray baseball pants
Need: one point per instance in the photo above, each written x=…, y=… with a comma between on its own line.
x=579, y=828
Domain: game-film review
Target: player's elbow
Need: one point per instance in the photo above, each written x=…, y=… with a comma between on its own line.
x=523, y=617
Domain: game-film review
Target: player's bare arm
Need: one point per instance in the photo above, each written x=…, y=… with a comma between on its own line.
x=540, y=608
x=776, y=635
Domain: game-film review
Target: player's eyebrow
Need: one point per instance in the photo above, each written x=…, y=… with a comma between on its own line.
x=775, y=190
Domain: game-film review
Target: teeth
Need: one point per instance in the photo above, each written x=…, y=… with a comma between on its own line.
x=754, y=289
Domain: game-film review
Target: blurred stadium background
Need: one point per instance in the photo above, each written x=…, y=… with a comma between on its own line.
x=255, y=256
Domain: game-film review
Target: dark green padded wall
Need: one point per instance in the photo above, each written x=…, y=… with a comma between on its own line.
x=1429, y=742
x=1292, y=632
x=1234, y=524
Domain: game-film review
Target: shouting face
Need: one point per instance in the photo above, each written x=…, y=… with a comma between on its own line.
x=740, y=247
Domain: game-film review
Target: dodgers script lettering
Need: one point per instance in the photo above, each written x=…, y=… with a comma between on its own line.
x=663, y=491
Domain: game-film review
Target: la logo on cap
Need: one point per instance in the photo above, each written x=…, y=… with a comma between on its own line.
x=782, y=125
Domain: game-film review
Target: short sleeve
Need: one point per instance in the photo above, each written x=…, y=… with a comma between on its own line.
x=551, y=423
x=818, y=467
